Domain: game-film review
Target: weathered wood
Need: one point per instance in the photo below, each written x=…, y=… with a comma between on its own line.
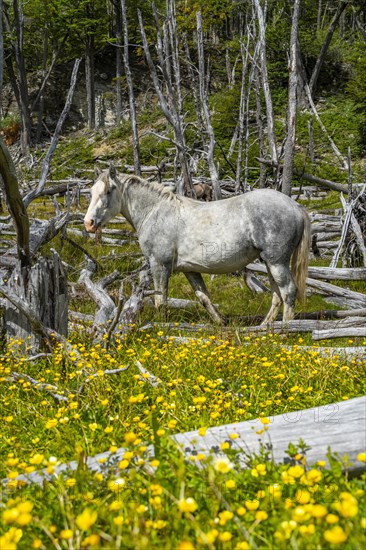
x=334, y=290
x=340, y=426
x=305, y=325
x=345, y=274
x=349, y=332
x=37, y=302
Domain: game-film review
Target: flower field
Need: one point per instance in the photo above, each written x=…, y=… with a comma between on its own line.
x=166, y=501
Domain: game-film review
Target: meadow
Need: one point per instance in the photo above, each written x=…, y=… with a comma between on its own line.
x=164, y=500
x=207, y=376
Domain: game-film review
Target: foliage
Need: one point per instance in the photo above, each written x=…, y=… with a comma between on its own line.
x=153, y=501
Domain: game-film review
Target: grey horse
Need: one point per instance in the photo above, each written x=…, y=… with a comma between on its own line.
x=183, y=235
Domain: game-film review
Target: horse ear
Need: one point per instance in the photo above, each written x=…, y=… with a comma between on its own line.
x=97, y=171
x=112, y=171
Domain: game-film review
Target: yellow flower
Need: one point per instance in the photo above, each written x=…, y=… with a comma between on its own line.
x=130, y=437
x=187, y=505
x=225, y=516
x=261, y=515
x=37, y=543
x=86, y=519
x=91, y=540
x=318, y=511
x=211, y=536
x=202, y=431
x=66, y=534
x=274, y=491
x=332, y=518
x=265, y=420
x=230, y=484
x=302, y=497
x=242, y=546
x=251, y=504
x=223, y=465
x=70, y=482
x=118, y=520
x=241, y=511
x=295, y=471
x=361, y=457
x=123, y=464
x=314, y=476
x=225, y=536
x=336, y=535
x=93, y=426
x=185, y=545
x=116, y=484
x=51, y=423
x=36, y=459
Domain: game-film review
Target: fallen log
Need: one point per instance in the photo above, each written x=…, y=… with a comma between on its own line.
x=338, y=426
x=341, y=273
x=305, y=325
x=349, y=332
x=333, y=290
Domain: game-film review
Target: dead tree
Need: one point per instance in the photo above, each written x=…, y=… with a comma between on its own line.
x=131, y=96
x=36, y=296
x=168, y=102
x=288, y=158
x=206, y=112
x=319, y=62
x=265, y=82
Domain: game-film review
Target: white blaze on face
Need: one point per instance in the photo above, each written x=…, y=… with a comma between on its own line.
x=98, y=208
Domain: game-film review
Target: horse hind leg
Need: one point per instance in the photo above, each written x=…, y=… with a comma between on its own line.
x=282, y=276
x=197, y=283
x=276, y=301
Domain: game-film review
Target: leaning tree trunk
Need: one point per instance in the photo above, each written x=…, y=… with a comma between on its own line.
x=36, y=297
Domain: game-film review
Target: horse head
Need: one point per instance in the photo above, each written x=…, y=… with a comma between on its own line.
x=105, y=202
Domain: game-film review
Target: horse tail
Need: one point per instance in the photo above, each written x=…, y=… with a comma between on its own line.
x=300, y=258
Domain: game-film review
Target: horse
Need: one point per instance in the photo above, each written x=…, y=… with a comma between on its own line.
x=203, y=191
x=180, y=234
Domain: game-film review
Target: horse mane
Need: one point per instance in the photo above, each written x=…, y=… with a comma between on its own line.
x=158, y=188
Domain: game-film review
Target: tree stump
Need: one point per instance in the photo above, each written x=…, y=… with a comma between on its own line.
x=43, y=288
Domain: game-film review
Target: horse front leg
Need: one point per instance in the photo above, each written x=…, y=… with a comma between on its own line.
x=160, y=275
x=197, y=283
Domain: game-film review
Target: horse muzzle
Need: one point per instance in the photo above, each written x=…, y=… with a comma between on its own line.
x=90, y=225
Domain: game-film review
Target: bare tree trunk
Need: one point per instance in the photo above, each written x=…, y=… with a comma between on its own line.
x=239, y=163
x=89, y=76
x=265, y=83
x=1, y=58
x=319, y=62
x=259, y=119
x=288, y=159
x=168, y=103
x=23, y=96
x=131, y=96
x=46, y=165
x=41, y=100
x=206, y=112
x=118, y=23
x=319, y=16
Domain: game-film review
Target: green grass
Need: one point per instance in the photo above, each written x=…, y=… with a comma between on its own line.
x=204, y=382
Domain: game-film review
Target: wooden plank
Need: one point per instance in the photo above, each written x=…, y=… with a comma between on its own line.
x=340, y=426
